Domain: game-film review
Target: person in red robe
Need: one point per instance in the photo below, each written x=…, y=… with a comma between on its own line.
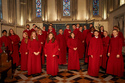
x=85, y=32
x=75, y=31
x=62, y=47
x=41, y=40
x=15, y=44
x=33, y=29
x=101, y=31
x=7, y=42
x=90, y=25
x=0, y=46
x=105, y=40
x=81, y=47
x=34, y=58
x=44, y=32
x=27, y=30
x=88, y=38
x=51, y=30
x=52, y=27
x=77, y=26
x=73, y=56
x=120, y=34
x=95, y=51
x=67, y=32
x=51, y=53
x=24, y=51
x=115, y=65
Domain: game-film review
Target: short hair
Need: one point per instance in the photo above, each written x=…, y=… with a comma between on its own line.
x=105, y=31
x=60, y=29
x=34, y=24
x=115, y=30
x=67, y=25
x=96, y=31
x=73, y=24
x=50, y=25
x=4, y=31
x=80, y=26
x=27, y=25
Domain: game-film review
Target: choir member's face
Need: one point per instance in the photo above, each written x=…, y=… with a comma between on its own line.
x=72, y=35
x=4, y=34
x=44, y=28
x=11, y=31
x=115, y=33
x=50, y=36
x=90, y=25
x=67, y=26
x=92, y=29
x=51, y=24
x=84, y=27
x=36, y=29
x=24, y=35
x=96, y=33
x=101, y=28
x=40, y=32
x=74, y=27
x=34, y=35
x=27, y=27
x=50, y=27
x=34, y=26
x=80, y=28
x=77, y=25
x=61, y=31
x=105, y=34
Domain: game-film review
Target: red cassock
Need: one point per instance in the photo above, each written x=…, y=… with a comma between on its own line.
x=115, y=66
x=95, y=49
x=34, y=61
x=67, y=34
x=52, y=29
x=52, y=32
x=81, y=47
x=41, y=40
x=52, y=62
x=101, y=34
x=44, y=34
x=62, y=46
x=73, y=57
x=28, y=32
x=120, y=34
x=15, y=55
x=32, y=30
x=85, y=32
x=88, y=38
x=105, y=51
x=76, y=32
x=0, y=46
x=6, y=40
x=24, y=57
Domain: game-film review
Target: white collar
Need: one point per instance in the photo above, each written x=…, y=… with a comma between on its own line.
x=67, y=28
x=115, y=36
x=96, y=37
x=28, y=29
x=40, y=34
x=80, y=30
x=34, y=38
x=101, y=31
x=91, y=32
x=43, y=30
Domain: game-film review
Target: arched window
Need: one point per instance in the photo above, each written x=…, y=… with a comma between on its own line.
x=38, y=8
x=66, y=8
x=95, y=7
x=1, y=9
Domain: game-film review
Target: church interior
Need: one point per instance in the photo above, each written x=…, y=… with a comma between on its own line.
x=16, y=14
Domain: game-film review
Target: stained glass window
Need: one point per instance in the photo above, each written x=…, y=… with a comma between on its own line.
x=38, y=8
x=95, y=7
x=66, y=7
x=0, y=9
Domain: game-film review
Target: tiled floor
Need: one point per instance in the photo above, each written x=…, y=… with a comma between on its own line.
x=65, y=76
